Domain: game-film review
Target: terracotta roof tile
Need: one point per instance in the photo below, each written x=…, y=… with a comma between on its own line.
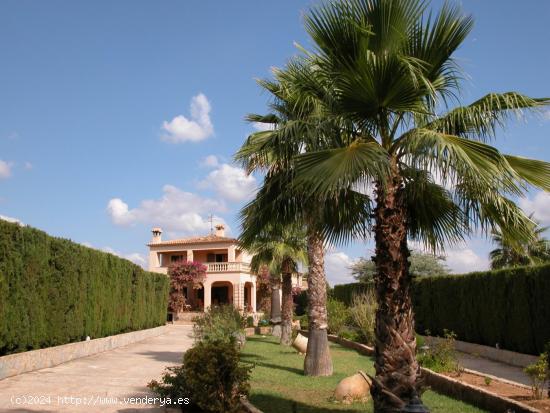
x=194, y=240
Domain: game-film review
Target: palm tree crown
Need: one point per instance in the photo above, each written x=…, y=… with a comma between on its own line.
x=510, y=253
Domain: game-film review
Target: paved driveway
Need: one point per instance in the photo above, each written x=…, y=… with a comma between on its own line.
x=103, y=382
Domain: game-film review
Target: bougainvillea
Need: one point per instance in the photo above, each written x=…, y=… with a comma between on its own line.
x=183, y=274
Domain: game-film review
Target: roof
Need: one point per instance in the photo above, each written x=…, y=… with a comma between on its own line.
x=195, y=240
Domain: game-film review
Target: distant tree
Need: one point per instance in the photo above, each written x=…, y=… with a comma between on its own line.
x=422, y=265
x=282, y=249
x=513, y=253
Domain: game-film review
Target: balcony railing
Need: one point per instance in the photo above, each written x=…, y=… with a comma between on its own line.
x=227, y=267
x=212, y=267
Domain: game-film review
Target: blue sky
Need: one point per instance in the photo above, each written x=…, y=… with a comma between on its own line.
x=98, y=142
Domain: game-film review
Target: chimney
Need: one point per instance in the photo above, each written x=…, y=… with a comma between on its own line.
x=156, y=235
x=220, y=231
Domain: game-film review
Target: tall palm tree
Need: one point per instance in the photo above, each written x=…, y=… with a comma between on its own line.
x=282, y=249
x=382, y=72
x=511, y=253
x=273, y=152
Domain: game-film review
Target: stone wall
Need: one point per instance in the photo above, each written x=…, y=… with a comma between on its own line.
x=15, y=364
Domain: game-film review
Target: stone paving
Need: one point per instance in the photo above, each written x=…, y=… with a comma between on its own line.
x=99, y=383
x=494, y=368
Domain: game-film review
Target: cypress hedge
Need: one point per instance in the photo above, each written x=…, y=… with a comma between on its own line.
x=54, y=291
x=509, y=307
x=346, y=292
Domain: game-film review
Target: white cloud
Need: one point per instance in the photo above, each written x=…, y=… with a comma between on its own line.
x=135, y=257
x=27, y=165
x=211, y=161
x=5, y=169
x=464, y=260
x=546, y=115
x=11, y=219
x=337, y=268
x=259, y=126
x=197, y=128
x=177, y=212
x=539, y=206
x=13, y=136
x=231, y=183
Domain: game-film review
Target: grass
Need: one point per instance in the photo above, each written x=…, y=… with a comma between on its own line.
x=278, y=383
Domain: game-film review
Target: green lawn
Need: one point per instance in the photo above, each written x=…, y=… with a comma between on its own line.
x=278, y=383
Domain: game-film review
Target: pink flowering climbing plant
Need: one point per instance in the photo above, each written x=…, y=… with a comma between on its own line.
x=184, y=274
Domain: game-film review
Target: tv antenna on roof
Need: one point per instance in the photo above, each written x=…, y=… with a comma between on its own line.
x=211, y=219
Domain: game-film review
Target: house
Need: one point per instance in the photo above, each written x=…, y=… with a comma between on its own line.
x=228, y=276
x=229, y=279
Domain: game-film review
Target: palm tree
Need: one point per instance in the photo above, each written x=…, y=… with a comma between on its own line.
x=382, y=72
x=282, y=249
x=273, y=152
x=511, y=253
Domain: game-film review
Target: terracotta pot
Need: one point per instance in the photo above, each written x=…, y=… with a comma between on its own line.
x=356, y=387
x=300, y=343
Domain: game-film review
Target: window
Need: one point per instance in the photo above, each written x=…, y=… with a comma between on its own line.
x=216, y=258
x=176, y=258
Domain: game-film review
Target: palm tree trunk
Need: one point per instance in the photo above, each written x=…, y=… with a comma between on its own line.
x=286, y=325
x=397, y=370
x=275, y=308
x=318, y=361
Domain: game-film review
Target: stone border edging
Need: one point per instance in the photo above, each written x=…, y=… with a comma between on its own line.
x=451, y=387
x=474, y=395
x=18, y=363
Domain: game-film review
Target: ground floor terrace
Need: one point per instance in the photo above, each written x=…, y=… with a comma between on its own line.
x=240, y=293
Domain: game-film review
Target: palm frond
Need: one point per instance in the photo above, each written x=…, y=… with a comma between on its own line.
x=327, y=170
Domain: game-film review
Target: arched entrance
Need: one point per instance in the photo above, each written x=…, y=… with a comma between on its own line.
x=222, y=293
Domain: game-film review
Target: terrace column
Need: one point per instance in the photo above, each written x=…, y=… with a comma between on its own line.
x=253, y=297
x=189, y=255
x=207, y=295
x=238, y=295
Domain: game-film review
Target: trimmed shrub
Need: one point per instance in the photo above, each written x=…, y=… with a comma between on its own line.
x=212, y=378
x=509, y=308
x=220, y=323
x=54, y=291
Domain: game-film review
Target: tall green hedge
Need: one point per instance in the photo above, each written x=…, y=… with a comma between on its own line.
x=54, y=291
x=345, y=292
x=510, y=307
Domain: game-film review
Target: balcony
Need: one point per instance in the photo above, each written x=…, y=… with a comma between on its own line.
x=227, y=267
x=216, y=267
